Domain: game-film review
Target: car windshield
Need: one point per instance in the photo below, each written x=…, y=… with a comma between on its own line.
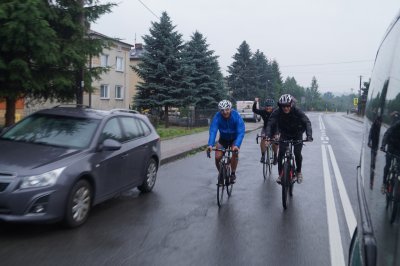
x=63, y=131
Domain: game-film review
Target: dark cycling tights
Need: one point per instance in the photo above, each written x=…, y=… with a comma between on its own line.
x=297, y=154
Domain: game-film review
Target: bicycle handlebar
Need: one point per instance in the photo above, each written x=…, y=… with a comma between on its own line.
x=260, y=136
x=293, y=141
x=229, y=150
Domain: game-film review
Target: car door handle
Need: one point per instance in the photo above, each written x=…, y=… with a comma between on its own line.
x=123, y=156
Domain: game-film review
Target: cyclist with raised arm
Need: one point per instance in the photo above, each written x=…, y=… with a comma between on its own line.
x=292, y=123
x=231, y=129
x=265, y=113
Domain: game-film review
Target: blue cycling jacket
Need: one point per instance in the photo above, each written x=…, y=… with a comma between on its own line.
x=229, y=129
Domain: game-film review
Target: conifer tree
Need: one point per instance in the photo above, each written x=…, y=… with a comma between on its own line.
x=165, y=74
x=290, y=86
x=241, y=79
x=313, y=97
x=276, y=79
x=24, y=49
x=71, y=20
x=42, y=46
x=206, y=75
x=263, y=75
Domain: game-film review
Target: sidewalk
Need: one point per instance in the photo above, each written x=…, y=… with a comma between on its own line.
x=179, y=147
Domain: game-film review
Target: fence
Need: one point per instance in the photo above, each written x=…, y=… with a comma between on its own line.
x=185, y=117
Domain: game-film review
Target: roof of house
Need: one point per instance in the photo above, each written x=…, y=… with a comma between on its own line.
x=92, y=32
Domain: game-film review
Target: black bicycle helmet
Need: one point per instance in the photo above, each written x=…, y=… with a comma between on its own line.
x=269, y=102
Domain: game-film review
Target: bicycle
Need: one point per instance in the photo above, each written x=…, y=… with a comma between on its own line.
x=392, y=188
x=268, y=158
x=289, y=169
x=224, y=173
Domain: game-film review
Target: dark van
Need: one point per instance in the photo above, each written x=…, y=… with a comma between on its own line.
x=376, y=240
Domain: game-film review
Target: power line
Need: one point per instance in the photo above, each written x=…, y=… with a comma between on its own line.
x=335, y=63
x=151, y=11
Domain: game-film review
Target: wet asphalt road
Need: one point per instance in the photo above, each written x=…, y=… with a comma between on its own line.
x=179, y=223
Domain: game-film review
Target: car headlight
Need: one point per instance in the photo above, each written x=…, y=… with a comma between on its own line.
x=42, y=180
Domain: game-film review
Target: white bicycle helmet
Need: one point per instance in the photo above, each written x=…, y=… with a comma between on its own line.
x=224, y=104
x=285, y=99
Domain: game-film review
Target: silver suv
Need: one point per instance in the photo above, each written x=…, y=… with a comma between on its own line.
x=57, y=163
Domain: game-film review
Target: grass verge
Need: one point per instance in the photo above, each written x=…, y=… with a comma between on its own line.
x=173, y=131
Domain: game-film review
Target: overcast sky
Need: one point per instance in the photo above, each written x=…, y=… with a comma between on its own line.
x=333, y=40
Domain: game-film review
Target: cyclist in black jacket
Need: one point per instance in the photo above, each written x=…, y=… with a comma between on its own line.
x=391, y=140
x=292, y=123
x=265, y=113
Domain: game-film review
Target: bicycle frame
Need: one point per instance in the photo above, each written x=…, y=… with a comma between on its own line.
x=267, y=164
x=288, y=169
x=393, y=187
x=224, y=173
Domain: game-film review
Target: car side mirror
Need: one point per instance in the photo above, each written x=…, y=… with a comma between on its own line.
x=111, y=145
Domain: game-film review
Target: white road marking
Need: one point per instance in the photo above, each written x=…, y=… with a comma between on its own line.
x=344, y=198
x=335, y=240
x=337, y=254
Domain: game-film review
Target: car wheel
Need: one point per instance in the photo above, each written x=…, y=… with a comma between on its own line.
x=150, y=177
x=78, y=204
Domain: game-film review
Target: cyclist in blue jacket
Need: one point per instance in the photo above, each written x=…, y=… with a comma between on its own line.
x=231, y=129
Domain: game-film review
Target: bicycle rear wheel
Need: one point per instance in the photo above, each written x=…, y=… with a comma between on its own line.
x=220, y=186
x=228, y=184
x=285, y=184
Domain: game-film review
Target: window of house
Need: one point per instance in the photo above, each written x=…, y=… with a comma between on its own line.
x=104, y=60
x=119, y=92
x=104, y=92
x=119, y=63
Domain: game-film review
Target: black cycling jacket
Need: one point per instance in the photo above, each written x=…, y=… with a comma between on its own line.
x=391, y=138
x=291, y=125
x=263, y=113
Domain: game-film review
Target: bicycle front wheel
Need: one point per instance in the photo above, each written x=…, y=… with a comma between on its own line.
x=270, y=158
x=221, y=186
x=265, y=166
x=292, y=180
x=228, y=184
x=285, y=184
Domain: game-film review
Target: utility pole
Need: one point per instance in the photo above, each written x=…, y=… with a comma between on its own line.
x=359, y=98
x=81, y=84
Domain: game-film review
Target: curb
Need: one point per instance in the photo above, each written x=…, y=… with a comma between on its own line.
x=353, y=118
x=192, y=151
